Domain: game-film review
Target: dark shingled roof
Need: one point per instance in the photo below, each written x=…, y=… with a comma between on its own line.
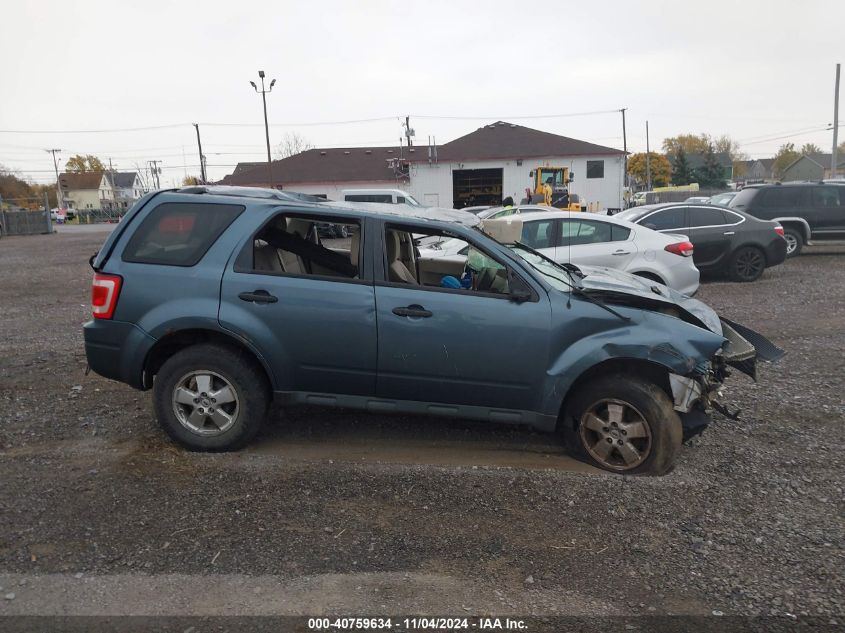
x=74, y=181
x=338, y=164
x=499, y=140
x=122, y=179
x=502, y=140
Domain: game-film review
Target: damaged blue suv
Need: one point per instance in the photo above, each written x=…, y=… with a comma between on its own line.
x=220, y=299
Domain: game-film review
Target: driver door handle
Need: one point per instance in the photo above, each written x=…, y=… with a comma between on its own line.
x=414, y=310
x=621, y=252
x=730, y=233
x=258, y=296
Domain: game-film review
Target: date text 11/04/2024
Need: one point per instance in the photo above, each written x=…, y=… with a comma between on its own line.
x=417, y=624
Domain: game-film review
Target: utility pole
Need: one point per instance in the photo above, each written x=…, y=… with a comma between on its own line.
x=834, y=159
x=113, y=184
x=625, y=155
x=202, y=158
x=59, y=200
x=409, y=133
x=154, y=169
x=647, y=160
x=264, y=92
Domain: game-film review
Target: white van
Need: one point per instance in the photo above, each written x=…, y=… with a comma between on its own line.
x=385, y=196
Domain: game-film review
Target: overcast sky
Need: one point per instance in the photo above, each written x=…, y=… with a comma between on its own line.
x=758, y=71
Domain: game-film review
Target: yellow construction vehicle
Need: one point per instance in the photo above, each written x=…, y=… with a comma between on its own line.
x=551, y=188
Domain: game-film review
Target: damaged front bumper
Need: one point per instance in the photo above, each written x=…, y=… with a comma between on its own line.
x=696, y=394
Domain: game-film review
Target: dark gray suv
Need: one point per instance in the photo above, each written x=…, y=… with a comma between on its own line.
x=220, y=299
x=806, y=210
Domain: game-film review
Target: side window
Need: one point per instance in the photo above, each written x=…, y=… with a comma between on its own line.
x=619, y=233
x=179, y=234
x=470, y=269
x=400, y=199
x=576, y=232
x=828, y=196
x=538, y=234
x=595, y=169
x=781, y=197
x=705, y=216
x=674, y=218
x=307, y=246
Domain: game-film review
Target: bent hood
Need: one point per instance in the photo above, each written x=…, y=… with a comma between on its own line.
x=743, y=346
x=607, y=281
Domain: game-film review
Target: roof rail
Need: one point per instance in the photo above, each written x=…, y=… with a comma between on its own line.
x=240, y=192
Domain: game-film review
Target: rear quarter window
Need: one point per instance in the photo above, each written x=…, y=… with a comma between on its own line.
x=179, y=234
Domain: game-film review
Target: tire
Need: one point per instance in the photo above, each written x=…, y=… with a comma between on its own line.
x=645, y=410
x=183, y=410
x=794, y=241
x=747, y=264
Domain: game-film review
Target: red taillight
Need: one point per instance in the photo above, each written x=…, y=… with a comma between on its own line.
x=104, y=292
x=684, y=249
x=779, y=230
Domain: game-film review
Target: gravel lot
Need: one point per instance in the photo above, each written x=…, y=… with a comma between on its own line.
x=335, y=512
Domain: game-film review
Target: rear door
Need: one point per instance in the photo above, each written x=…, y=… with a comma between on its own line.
x=317, y=331
x=828, y=202
x=710, y=234
x=594, y=243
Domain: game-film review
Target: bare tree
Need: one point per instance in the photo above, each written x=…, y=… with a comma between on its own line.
x=292, y=143
x=144, y=177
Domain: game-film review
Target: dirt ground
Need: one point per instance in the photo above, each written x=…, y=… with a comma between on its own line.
x=348, y=513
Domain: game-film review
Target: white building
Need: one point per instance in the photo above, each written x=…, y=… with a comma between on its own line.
x=483, y=167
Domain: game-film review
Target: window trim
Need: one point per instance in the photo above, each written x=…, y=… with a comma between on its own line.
x=714, y=226
x=246, y=253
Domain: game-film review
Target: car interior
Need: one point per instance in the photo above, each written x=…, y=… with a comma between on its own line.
x=295, y=246
x=476, y=272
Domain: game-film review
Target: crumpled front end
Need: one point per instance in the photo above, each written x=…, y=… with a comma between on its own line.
x=698, y=392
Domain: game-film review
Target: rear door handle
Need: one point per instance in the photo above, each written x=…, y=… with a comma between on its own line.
x=730, y=233
x=414, y=310
x=622, y=253
x=258, y=296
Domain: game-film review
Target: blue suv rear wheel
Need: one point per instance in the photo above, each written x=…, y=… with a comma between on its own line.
x=211, y=398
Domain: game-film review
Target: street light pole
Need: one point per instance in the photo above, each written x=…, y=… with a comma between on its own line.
x=264, y=92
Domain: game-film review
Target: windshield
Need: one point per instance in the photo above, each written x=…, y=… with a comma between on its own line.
x=557, y=277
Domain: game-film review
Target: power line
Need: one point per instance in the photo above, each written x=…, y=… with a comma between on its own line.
x=112, y=130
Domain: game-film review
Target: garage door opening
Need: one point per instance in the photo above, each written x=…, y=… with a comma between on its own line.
x=474, y=187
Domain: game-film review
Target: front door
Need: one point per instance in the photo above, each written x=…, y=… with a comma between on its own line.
x=461, y=346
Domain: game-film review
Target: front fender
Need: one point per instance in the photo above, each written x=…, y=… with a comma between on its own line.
x=677, y=346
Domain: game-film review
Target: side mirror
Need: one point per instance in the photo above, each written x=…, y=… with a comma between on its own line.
x=520, y=291
x=531, y=174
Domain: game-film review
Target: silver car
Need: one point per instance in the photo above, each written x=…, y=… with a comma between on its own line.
x=586, y=239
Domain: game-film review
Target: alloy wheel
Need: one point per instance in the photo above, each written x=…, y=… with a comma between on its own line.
x=205, y=402
x=615, y=434
x=749, y=264
x=791, y=243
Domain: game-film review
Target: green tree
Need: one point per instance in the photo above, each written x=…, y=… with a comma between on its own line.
x=681, y=172
x=661, y=168
x=785, y=156
x=711, y=175
x=690, y=143
x=810, y=148
x=82, y=164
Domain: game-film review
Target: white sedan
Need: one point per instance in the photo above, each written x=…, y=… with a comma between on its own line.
x=598, y=240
